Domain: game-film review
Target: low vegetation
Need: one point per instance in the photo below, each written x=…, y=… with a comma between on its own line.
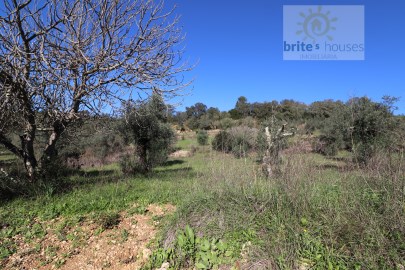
x=265, y=185
x=320, y=213
x=335, y=198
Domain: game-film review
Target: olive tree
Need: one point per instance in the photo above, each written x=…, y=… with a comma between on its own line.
x=147, y=128
x=58, y=58
x=361, y=126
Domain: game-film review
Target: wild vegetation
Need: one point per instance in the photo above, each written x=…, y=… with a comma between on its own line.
x=265, y=185
x=321, y=211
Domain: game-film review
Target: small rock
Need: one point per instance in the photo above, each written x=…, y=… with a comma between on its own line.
x=164, y=266
x=146, y=253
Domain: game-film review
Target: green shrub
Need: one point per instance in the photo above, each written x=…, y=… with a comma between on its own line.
x=327, y=145
x=237, y=140
x=222, y=142
x=130, y=164
x=226, y=123
x=202, y=137
x=361, y=126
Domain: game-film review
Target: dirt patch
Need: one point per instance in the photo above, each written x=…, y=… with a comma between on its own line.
x=181, y=154
x=303, y=146
x=86, y=246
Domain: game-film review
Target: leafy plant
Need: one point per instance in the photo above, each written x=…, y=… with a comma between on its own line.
x=192, y=251
x=202, y=137
x=315, y=255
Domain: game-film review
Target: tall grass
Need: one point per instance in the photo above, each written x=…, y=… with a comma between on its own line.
x=317, y=215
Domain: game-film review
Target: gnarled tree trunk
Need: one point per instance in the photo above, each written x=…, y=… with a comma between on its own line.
x=272, y=160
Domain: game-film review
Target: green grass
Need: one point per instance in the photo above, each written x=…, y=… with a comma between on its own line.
x=318, y=214
x=186, y=144
x=315, y=216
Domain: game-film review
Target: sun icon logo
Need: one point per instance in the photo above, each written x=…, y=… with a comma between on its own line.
x=316, y=25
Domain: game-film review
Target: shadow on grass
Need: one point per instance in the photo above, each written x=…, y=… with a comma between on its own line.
x=337, y=167
x=96, y=173
x=343, y=159
x=329, y=166
x=78, y=179
x=70, y=179
x=173, y=162
x=172, y=173
x=62, y=182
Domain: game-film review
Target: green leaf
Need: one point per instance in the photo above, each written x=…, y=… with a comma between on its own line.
x=205, y=245
x=180, y=240
x=190, y=234
x=200, y=265
x=214, y=241
x=228, y=253
x=203, y=256
x=304, y=221
x=221, y=246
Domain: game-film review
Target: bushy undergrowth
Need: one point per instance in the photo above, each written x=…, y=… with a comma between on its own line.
x=237, y=140
x=319, y=213
x=202, y=137
x=14, y=183
x=314, y=216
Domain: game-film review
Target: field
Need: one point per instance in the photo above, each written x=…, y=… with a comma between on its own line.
x=320, y=213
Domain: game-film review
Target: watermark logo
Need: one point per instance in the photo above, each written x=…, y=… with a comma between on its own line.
x=323, y=32
x=316, y=25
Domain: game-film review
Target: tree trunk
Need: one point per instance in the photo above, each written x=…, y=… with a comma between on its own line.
x=26, y=152
x=271, y=160
x=267, y=159
x=10, y=146
x=27, y=147
x=143, y=160
x=50, y=152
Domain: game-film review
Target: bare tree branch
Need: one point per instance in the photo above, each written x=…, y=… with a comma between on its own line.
x=60, y=57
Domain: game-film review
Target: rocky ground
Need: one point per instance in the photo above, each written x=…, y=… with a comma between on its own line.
x=87, y=246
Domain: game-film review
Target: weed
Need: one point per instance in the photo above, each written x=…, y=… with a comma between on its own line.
x=36, y=231
x=189, y=250
x=60, y=262
x=124, y=235
x=353, y=217
x=108, y=220
x=139, y=210
x=7, y=248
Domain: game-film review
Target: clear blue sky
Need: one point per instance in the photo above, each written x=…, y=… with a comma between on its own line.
x=239, y=48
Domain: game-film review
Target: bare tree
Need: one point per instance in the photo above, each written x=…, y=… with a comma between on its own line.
x=60, y=57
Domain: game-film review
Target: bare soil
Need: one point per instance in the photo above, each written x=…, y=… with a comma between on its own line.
x=86, y=246
x=181, y=154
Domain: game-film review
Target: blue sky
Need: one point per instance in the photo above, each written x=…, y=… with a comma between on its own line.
x=238, y=46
